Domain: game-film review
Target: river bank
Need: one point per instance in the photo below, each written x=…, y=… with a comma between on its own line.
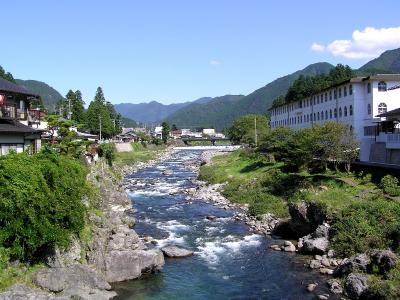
x=107, y=251
x=310, y=211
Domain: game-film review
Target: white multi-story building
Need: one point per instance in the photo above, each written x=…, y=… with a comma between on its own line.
x=355, y=102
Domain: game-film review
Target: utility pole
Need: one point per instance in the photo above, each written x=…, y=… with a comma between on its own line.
x=255, y=129
x=69, y=109
x=100, y=126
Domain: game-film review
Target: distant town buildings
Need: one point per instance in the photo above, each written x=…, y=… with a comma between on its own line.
x=370, y=105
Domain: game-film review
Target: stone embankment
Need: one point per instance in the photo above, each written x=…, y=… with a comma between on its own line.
x=113, y=253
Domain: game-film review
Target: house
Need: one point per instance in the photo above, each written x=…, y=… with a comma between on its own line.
x=209, y=131
x=15, y=117
x=356, y=102
x=158, y=132
x=176, y=134
x=127, y=135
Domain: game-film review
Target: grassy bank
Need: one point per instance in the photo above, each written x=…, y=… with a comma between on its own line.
x=140, y=153
x=364, y=216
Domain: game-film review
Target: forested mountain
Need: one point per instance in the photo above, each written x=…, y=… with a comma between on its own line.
x=387, y=62
x=222, y=111
x=153, y=112
x=48, y=94
x=213, y=114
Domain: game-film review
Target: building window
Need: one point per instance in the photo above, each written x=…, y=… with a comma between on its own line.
x=369, y=87
x=369, y=109
x=340, y=112
x=345, y=91
x=330, y=95
x=308, y=119
x=335, y=94
x=382, y=86
x=318, y=99
x=330, y=114
x=350, y=89
x=382, y=108
x=326, y=115
x=318, y=116
x=335, y=113
x=345, y=111
x=351, y=110
x=326, y=97
x=340, y=92
x=322, y=115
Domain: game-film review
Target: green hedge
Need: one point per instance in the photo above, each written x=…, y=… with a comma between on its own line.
x=40, y=202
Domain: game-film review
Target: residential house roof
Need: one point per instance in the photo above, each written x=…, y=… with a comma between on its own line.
x=12, y=126
x=8, y=86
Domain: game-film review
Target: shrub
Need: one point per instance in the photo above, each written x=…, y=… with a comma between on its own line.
x=364, y=225
x=264, y=203
x=390, y=186
x=40, y=202
x=108, y=152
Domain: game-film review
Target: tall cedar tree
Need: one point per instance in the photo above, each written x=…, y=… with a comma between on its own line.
x=98, y=110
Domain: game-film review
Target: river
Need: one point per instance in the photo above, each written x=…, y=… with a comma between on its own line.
x=229, y=261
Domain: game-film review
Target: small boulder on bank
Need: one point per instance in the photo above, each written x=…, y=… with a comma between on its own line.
x=174, y=251
x=316, y=242
x=356, y=285
x=358, y=262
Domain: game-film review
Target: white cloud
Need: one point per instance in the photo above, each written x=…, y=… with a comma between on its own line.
x=215, y=62
x=367, y=43
x=317, y=47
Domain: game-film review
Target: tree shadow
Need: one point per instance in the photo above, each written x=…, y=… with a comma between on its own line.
x=255, y=166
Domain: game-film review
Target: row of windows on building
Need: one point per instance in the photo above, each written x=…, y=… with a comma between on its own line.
x=337, y=93
x=318, y=116
x=318, y=99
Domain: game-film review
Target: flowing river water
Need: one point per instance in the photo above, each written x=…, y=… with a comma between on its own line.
x=230, y=262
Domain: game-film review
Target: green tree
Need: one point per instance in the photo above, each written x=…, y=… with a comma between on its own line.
x=6, y=75
x=245, y=128
x=98, y=112
x=165, y=131
x=78, y=108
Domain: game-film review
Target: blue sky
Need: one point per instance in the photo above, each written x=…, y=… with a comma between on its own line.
x=175, y=51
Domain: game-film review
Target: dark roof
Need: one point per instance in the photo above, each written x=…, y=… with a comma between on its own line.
x=390, y=113
x=12, y=126
x=8, y=86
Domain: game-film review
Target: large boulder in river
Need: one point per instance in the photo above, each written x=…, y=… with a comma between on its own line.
x=316, y=242
x=356, y=286
x=306, y=217
x=174, y=251
x=123, y=265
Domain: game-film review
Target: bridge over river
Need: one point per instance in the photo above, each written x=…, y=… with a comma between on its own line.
x=213, y=140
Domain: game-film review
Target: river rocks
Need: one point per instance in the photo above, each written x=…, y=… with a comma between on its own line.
x=20, y=292
x=211, y=217
x=167, y=172
x=130, y=264
x=326, y=271
x=356, y=285
x=311, y=287
x=385, y=260
x=306, y=217
x=316, y=242
x=77, y=280
x=335, y=286
x=57, y=258
x=289, y=247
x=174, y=251
x=358, y=262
